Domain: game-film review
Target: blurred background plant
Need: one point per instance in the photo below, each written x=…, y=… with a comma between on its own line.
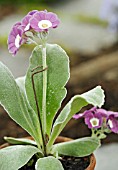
x=25, y=2
x=109, y=11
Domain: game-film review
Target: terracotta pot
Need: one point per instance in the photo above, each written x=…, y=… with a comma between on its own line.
x=61, y=139
x=92, y=158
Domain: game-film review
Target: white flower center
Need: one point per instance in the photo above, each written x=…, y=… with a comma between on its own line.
x=94, y=122
x=17, y=41
x=27, y=27
x=44, y=24
x=110, y=123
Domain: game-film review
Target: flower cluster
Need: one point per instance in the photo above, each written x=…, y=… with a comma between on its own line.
x=35, y=22
x=100, y=119
x=109, y=11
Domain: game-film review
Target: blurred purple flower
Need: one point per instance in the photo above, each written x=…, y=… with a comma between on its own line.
x=106, y=7
x=43, y=20
x=32, y=12
x=15, y=39
x=25, y=24
x=80, y=115
x=109, y=12
x=104, y=113
x=94, y=118
x=112, y=121
x=17, y=24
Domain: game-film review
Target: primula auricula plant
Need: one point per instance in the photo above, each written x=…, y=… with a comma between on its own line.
x=32, y=101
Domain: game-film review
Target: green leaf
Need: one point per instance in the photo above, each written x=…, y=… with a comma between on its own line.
x=21, y=83
x=14, y=157
x=57, y=77
x=48, y=163
x=15, y=103
x=19, y=141
x=77, y=148
x=94, y=97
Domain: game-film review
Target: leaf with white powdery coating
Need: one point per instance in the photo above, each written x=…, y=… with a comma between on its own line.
x=94, y=97
x=20, y=141
x=21, y=83
x=15, y=104
x=77, y=148
x=57, y=77
x=48, y=163
x=14, y=157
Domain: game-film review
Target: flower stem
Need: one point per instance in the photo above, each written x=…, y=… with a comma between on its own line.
x=93, y=133
x=44, y=90
x=43, y=37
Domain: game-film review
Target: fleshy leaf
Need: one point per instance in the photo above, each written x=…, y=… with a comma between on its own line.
x=21, y=83
x=48, y=163
x=77, y=148
x=20, y=141
x=57, y=77
x=16, y=105
x=14, y=157
x=94, y=97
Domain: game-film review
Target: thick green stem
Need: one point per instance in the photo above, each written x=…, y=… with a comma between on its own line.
x=93, y=133
x=44, y=90
x=43, y=36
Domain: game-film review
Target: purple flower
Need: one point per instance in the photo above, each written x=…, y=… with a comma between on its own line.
x=43, y=20
x=25, y=24
x=112, y=121
x=17, y=24
x=34, y=21
x=32, y=12
x=92, y=118
x=96, y=118
x=103, y=112
x=15, y=39
x=80, y=115
x=93, y=121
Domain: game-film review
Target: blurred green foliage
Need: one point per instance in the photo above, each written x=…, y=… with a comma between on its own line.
x=21, y=2
x=91, y=20
x=3, y=41
x=24, y=9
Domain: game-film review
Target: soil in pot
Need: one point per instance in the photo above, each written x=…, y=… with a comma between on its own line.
x=30, y=165
x=73, y=163
x=69, y=163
